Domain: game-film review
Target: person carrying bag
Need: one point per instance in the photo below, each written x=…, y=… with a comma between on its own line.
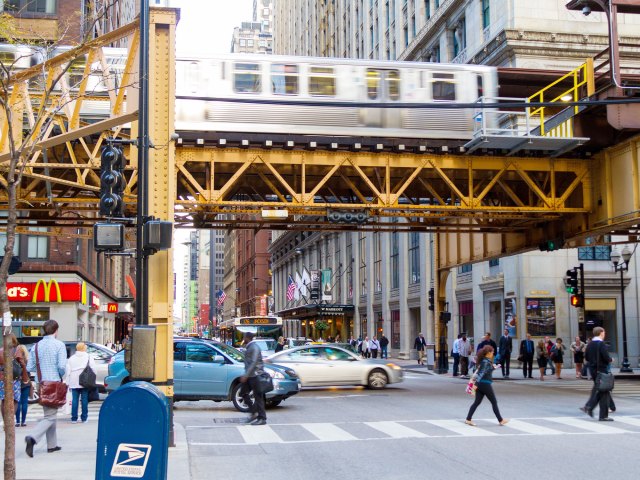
x=49, y=363
x=81, y=378
x=599, y=360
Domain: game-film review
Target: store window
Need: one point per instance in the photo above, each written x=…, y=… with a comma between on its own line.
x=541, y=316
x=465, y=310
x=379, y=324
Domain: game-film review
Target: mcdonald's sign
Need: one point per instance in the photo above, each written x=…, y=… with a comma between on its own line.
x=44, y=291
x=112, y=307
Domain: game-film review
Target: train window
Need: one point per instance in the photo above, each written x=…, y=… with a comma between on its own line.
x=322, y=81
x=393, y=84
x=443, y=86
x=246, y=78
x=284, y=79
x=373, y=84
x=193, y=76
x=480, y=86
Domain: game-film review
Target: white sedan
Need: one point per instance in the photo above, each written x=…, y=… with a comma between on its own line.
x=320, y=365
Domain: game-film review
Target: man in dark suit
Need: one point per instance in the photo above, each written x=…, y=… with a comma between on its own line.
x=527, y=349
x=486, y=340
x=505, y=347
x=598, y=358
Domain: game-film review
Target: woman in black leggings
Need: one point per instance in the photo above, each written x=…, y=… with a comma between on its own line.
x=482, y=380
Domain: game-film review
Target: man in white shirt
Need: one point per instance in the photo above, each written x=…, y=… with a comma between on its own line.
x=455, y=352
x=464, y=350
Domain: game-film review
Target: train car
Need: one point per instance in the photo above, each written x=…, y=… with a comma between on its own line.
x=204, y=87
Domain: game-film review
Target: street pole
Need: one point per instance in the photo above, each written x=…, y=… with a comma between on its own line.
x=212, y=281
x=626, y=366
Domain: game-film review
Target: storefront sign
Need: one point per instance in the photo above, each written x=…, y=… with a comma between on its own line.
x=541, y=316
x=95, y=301
x=314, y=291
x=43, y=291
x=326, y=285
x=112, y=307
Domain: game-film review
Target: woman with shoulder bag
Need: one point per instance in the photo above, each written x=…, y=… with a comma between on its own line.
x=483, y=380
x=557, y=356
x=17, y=379
x=578, y=348
x=25, y=389
x=541, y=357
x=75, y=366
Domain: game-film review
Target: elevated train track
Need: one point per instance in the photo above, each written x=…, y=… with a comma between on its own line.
x=485, y=204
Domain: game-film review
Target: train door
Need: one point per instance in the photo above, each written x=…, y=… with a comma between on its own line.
x=382, y=86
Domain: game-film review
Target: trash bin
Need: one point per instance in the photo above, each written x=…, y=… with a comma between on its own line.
x=431, y=355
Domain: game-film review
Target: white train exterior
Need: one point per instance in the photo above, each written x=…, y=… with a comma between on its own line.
x=204, y=87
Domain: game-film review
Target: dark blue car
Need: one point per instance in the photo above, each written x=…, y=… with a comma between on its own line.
x=208, y=370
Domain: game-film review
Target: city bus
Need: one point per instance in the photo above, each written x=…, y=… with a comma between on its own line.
x=264, y=326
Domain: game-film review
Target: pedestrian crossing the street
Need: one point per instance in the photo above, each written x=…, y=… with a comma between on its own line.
x=236, y=435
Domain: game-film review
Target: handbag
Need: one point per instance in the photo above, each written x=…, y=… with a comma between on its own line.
x=94, y=395
x=604, y=380
x=265, y=383
x=51, y=393
x=87, y=378
x=521, y=358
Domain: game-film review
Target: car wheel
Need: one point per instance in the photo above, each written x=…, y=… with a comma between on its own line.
x=377, y=379
x=33, y=397
x=237, y=399
x=273, y=403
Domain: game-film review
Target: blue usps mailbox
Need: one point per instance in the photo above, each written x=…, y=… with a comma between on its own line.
x=133, y=434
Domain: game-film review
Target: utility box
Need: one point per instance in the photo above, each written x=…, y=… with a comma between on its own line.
x=431, y=355
x=133, y=434
x=141, y=359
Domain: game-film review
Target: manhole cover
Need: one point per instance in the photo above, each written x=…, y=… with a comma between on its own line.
x=229, y=420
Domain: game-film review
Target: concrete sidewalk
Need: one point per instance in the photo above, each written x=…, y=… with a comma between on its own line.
x=77, y=459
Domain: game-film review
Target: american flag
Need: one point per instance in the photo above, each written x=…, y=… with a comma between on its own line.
x=221, y=297
x=291, y=289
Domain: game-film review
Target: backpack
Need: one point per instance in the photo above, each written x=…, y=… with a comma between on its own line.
x=16, y=367
x=87, y=377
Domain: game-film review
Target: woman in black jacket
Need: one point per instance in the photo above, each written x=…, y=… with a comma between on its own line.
x=482, y=380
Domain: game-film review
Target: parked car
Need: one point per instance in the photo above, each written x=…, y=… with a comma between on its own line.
x=101, y=357
x=320, y=365
x=209, y=370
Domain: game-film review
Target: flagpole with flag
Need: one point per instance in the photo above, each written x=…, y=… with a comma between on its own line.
x=291, y=288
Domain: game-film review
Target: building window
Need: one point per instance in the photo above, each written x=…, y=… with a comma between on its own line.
x=599, y=252
x=349, y=270
x=466, y=268
x=414, y=257
x=459, y=38
x=494, y=262
x=395, y=265
x=486, y=13
x=427, y=9
x=362, y=252
x=395, y=329
x=3, y=244
x=37, y=245
x=45, y=7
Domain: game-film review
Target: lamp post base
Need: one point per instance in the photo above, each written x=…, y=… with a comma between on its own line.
x=626, y=366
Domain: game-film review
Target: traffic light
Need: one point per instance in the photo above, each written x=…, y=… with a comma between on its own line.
x=577, y=300
x=111, y=182
x=571, y=281
x=431, y=299
x=551, y=245
x=347, y=217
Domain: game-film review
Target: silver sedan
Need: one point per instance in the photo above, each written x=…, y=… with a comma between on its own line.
x=320, y=365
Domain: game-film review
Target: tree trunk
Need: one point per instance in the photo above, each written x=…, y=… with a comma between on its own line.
x=8, y=412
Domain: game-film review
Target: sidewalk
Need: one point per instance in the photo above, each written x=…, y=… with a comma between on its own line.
x=77, y=459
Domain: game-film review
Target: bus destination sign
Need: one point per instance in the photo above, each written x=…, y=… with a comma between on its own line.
x=259, y=321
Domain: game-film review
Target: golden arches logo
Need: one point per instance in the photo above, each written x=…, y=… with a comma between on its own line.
x=47, y=290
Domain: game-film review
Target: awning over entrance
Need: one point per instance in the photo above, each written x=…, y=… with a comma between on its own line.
x=315, y=310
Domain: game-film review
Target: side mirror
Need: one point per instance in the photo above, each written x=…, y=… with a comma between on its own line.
x=219, y=359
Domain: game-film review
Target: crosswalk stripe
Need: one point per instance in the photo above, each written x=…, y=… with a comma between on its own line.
x=457, y=426
x=328, y=432
x=396, y=430
x=629, y=421
x=586, y=425
x=255, y=434
x=532, y=428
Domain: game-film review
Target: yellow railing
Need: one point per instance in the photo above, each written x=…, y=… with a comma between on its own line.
x=578, y=79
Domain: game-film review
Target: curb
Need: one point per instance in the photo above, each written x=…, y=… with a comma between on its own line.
x=178, y=466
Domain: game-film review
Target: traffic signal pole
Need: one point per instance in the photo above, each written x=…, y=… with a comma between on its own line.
x=581, y=312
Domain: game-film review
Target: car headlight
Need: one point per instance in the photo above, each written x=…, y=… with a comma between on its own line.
x=394, y=366
x=274, y=374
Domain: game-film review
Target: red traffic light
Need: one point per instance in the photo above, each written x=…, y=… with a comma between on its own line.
x=577, y=301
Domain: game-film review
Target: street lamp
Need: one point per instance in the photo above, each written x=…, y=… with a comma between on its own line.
x=622, y=267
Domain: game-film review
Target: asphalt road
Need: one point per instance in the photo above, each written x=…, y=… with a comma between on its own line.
x=415, y=430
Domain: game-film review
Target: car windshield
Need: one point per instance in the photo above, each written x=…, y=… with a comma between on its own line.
x=230, y=351
x=266, y=344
